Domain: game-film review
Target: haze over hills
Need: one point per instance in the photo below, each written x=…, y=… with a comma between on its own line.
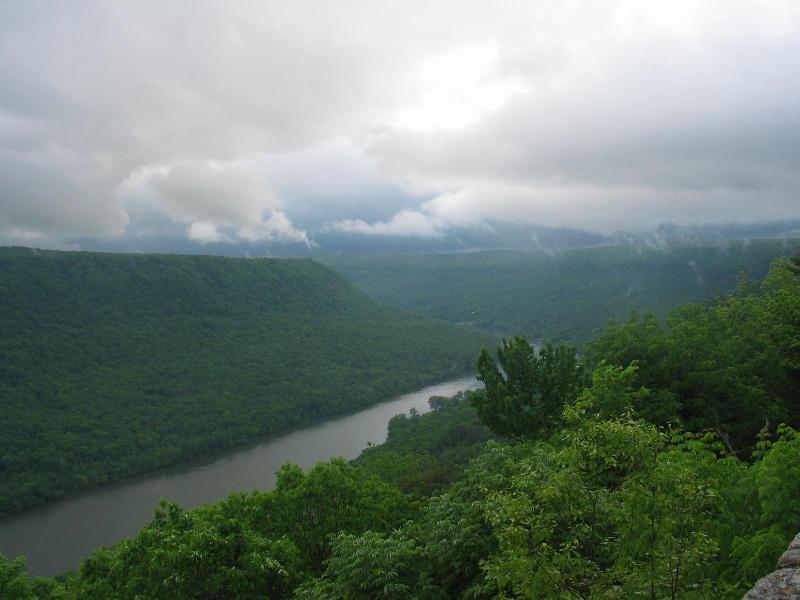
x=559, y=296
x=115, y=364
x=493, y=235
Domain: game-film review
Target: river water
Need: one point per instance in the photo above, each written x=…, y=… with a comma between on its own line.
x=55, y=537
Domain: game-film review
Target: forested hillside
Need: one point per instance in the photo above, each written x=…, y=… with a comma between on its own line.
x=114, y=364
x=565, y=296
x=424, y=453
x=662, y=464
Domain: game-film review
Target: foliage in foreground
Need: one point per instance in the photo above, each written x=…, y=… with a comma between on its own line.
x=604, y=508
x=731, y=366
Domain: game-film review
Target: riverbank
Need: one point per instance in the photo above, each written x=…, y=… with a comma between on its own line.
x=56, y=536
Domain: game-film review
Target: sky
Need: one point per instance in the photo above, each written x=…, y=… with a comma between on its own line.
x=303, y=126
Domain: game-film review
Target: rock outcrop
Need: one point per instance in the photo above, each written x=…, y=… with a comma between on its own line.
x=784, y=582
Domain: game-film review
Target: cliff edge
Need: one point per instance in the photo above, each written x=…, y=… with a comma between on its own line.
x=784, y=582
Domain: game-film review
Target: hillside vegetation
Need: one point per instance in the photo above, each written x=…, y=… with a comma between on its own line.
x=424, y=453
x=115, y=364
x=561, y=297
x=653, y=466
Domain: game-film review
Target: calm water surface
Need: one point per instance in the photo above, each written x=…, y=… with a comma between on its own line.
x=55, y=537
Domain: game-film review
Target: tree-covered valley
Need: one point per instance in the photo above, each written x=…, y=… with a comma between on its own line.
x=564, y=296
x=400, y=300
x=662, y=461
x=113, y=364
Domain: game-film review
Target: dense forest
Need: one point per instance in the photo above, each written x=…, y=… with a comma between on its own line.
x=424, y=453
x=662, y=462
x=544, y=296
x=114, y=364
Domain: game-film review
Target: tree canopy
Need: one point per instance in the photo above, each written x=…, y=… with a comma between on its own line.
x=115, y=364
x=524, y=396
x=643, y=484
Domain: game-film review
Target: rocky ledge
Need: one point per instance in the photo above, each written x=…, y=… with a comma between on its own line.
x=784, y=582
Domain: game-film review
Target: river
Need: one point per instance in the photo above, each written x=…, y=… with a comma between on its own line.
x=57, y=536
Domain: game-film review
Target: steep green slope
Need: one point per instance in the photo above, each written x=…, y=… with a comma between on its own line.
x=561, y=297
x=114, y=364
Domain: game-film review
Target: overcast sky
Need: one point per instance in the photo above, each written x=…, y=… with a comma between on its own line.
x=291, y=122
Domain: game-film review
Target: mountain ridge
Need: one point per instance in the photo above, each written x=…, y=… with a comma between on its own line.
x=115, y=364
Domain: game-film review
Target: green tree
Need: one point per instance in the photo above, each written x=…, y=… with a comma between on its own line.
x=767, y=513
x=330, y=498
x=366, y=567
x=424, y=453
x=731, y=366
x=524, y=397
x=612, y=392
x=662, y=514
x=14, y=584
x=201, y=554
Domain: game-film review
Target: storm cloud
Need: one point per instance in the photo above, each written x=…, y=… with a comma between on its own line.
x=287, y=123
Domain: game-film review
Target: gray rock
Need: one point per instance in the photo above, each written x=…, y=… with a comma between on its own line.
x=791, y=558
x=784, y=582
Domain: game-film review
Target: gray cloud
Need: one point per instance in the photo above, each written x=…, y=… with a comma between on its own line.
x=94, y=93
x=707, y=133
x=267, y=122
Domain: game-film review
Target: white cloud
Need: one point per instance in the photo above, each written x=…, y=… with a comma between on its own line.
x=457, y=89
x=221, y=202
x=406, y=223
x=277, y=227
x=204, y=232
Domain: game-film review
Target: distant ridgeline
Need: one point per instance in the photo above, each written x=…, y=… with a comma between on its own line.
x=114, y=364
x=565, y=296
